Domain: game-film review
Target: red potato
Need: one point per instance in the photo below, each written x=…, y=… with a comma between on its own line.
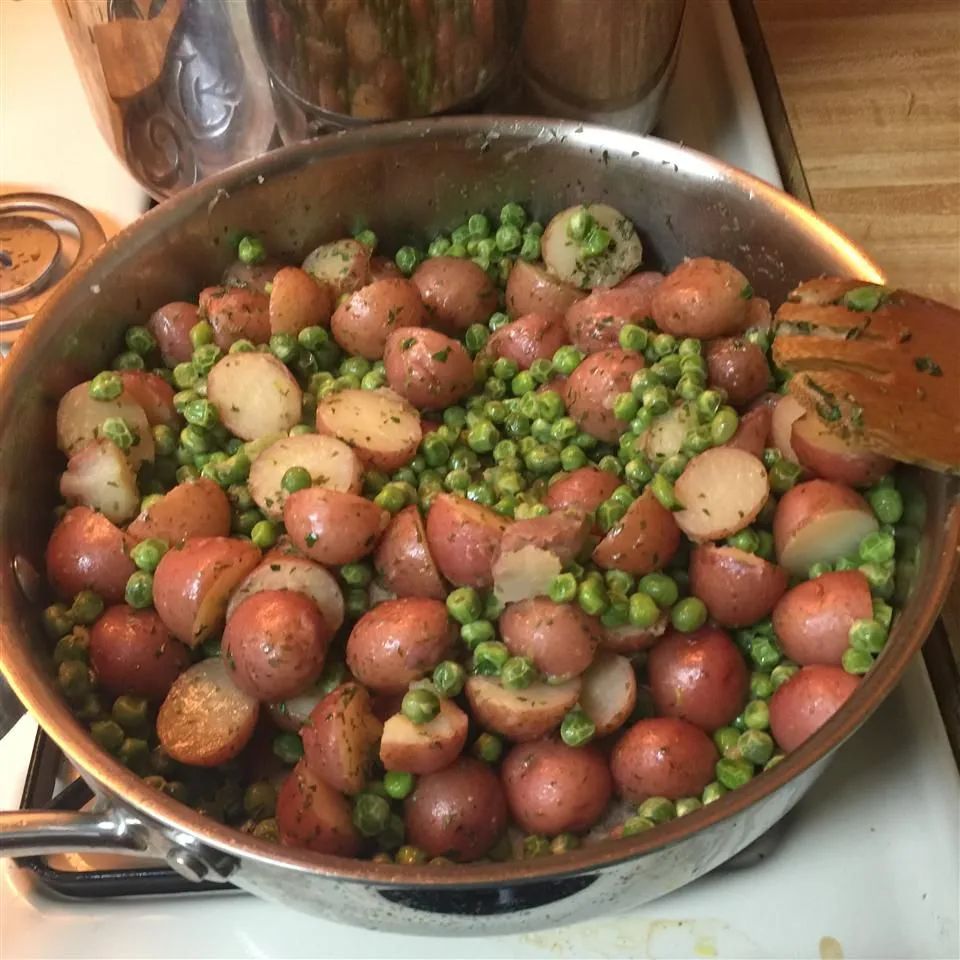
x=594, y=323
x=314, y=816
x=563, y=533
x=427, y=368
x=594, y=386
x=192, y=584
x=534, y=336
x=87, y=552
x=647, y=280
x=700, y=677
x=807, y=701
x=383, y=268
x=737, y=367
x=645, y=539
x=752, y=431
x=629, y=639
x=399, y=641
x=381, y=427
x=236, y=313
x=812, y=621
x=759, y=316
x=521, y=715
x=340, y=739
x=561, y=253
x=171, y=325
x=786, y=411
x=722, y=490
x=702, y=298
x=80, y=417
x=404, y=561
x=609, y=692
x=552, y=788
x=254, y=275
x=284, y=572
x=583, y=489
x=664, y=438
x=427, y=747
x=362, y=323
x=298, y=301
x=456, y=293
x=344, y=265
x=832, y=457
x=331, y=527
x=206, y=719
x=99, y=476
x=531, y=289
x=459, y=812
x=662, y=757
x=329, y=461
x=275, y=644
x=132, y=652
x=255, y=394
x=464, y=538
x=153, y=393
x=819, y=521
x=198, y=508
x=737, y=587
x=559, y=638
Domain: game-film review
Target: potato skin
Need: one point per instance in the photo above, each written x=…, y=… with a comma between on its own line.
x=403, y=558
x=362, y=323
x=630, y=639
x=521, y=715
x=662, y=757
x=738, y=588
x=829, y=456
x=332, y=527
x=428, y=747
x=171, y=325
x=236, y=313
x=643, y=540
x=559, y=638
x=812, y=621
x=700, y=677
x=340, y=738
x=800, y=707
x=429, y=369
x=739, y=367
x=456, y=293
x=701, y=298
x=594, y=323
x=533, y=336
x=464, y=538
x=198, y=508
x=153, y=393
x=399, y=641
x=753, y=431
x=459, y=812
x=552, y=788
x=585, y=489
x=312, y=815
x=594, y=386
x=131, y=651
x=275, y=644
x=532, y=289
x=563, y=533
x=87, y=552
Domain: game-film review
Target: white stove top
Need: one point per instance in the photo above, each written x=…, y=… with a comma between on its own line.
x=867, y=865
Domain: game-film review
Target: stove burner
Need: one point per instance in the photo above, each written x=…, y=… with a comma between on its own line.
x=28, y=253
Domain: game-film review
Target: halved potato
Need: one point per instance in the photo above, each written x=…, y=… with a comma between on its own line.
x=255, y=394
x=198, y=508
x=99, y=476
x=832, y=457
x=80, y=417
x=426, y=747
x=343, y=264
x=609, y=692
x=521, y=715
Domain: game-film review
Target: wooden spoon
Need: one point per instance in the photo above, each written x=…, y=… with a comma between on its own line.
x=880, y=367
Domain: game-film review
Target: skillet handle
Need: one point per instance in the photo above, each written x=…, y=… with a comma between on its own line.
x=31, y=833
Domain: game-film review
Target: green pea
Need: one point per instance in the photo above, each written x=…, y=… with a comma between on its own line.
x=407, y=259
x=508, y=238
x=563, y=588
x=288, y=747
x=672, y=467
x=488, y=747
x=761, y=686
x=572, y=458
x=264, y=534
x=204, y=358
x=882, y=613
x=260, y=800
x=370, y=813
x=542, y=370
x=712, y=792
x=782, y=673
x=818, y=569
x=592, y=596
x=489, y=656
x=200, y=334
x=857, y=662
x=73, y=646
x=449, y=678
x=420, y=706
x=518, y=673
x=657, y=809
x=764, y=544
x=756, y=716
x=130, y=712
x=564, y=843
x=640, y=424
x=242, y=346
x=580, y=224
x=523, y=383
x=868, y=636
x=139, y=590
x=642, y=610
x=106, y=385
x=755, y=746
x=530, y=249
x=354, y=367
x=764, y=653
x=496, y=321
x=661, y=588
x=662, y=489
x=784, y=475
x=880, y=576
x=656, y=399
x=513, y=214
x=724, y=425
x=886, y=503
x=734, y=773
x=726, y=739
x=689, y=388
x=663, y=344
x=73, y=677
x=877, y=547
x=118, y=431
x=708, y=405
x=185, y=474
x=625, y=406
x=533, y=846
x=609, y=514
x=747, y=540
x=128, y=361
x=251, y=250
x=439, y=246
x=86, y=608
x=634, y=825
x=577, y=728
x=57, y=621
x=478, y=226
x=687, y=805
x=566, y=359
x=632, y=337
x=464, y=605
x=688, y=615
x=596, y=243
x=108, y=734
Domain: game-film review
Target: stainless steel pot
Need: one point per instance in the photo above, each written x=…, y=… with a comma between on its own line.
x=401, y=179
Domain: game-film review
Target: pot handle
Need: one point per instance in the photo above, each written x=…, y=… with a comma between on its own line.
x=31, y=833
